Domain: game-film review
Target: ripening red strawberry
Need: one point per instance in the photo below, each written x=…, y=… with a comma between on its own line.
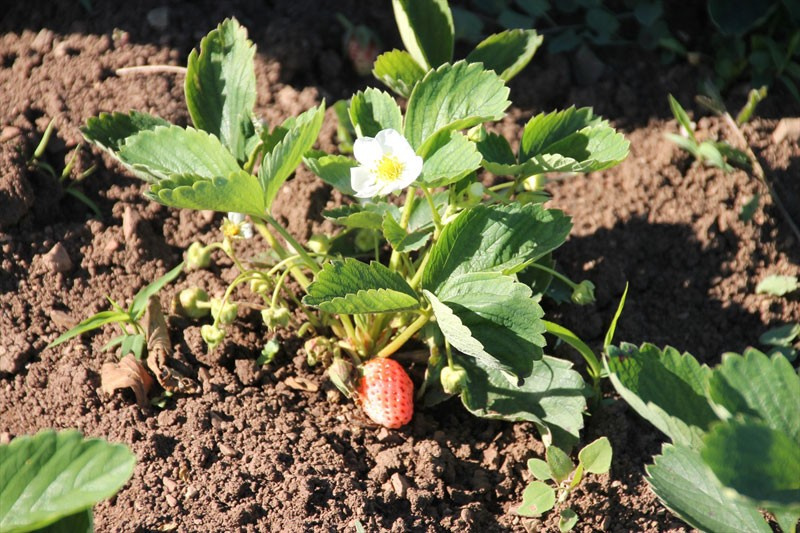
x=386, y=393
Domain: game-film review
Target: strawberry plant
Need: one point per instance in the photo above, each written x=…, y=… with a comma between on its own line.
x=455, y=266
x=734, y=428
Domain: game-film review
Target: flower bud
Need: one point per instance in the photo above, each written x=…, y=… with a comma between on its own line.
x=317, y=349
x=583, y=294
x=225, y=314
x=319, y=244
x=341, y=375
x=535, y=182
x=475, y=190
x=188, y=300
x=453, y=379
x=197, y=256
x=366, y=240
x=276, y=317
x=212, y=335
x=260, y=286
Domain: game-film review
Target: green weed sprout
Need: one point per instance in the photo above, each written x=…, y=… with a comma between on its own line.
x=558, y=469
x=133, y=336
x=447, y=269
x=69, y=185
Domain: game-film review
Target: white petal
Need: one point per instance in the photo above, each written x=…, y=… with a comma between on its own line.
x=369, y=192
x=236, y=218
x=411, y=170
x=361, y=178
x=367, y=151
x=247, y=230
x=393, y=143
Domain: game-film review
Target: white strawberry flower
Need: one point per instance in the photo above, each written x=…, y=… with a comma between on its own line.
x=387, y=164
x=234, y=226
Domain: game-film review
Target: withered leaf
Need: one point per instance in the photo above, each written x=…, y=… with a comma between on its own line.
x=302, y=384
x=127, y=373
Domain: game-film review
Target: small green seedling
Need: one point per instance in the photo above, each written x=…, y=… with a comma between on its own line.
x=51, y=480
x=715, y=153
x=776, y=285
x=133, y=337
x=559, y=471
x=68, y=185
x=780, y=339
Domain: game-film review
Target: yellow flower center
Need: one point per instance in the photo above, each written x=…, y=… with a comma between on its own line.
x=389, y=168
x=230, y=229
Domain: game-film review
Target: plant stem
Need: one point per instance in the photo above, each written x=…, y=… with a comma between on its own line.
x=310, y=263
x=420, y=269
x=437, y=220
x=406, y=334
x=283, y=254
x=554, y=273
x=410, y=195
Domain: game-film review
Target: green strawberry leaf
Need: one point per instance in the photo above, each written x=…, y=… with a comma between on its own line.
x=755, y=385
x=758, y=462
x=572, y=140
x=366, y=215
x=498, y=238
x=553, y=397
x=452, y=162
x=426, y=28
x=372, y=111
x=666, y=388
x=350, y=287
x=282, y=160
x=398, y=71
x=453, y=97
x=499, y=314
x=220, y=86
x=239, y=192
x=109, y=130
x=400, y=239
x=539, y=469
x=498, y=158
x=780, y=336
x=52, y=475
x=568, y=520
x=537, y=499
x=332, y=169
x=506, y=52
x=80, y=522
x=169, y=150
x=687, y=487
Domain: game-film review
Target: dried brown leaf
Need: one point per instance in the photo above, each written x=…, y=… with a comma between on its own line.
x=302, y=384
x=127, y=373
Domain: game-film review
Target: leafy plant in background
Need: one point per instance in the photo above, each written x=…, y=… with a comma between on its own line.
x=539, y=497
x=67, y=183
x=780, y=339
x=571, y=24
x=51, y=480
x=734, y=429
x=446, y=270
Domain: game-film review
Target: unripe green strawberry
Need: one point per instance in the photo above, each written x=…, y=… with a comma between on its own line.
x=386, y=393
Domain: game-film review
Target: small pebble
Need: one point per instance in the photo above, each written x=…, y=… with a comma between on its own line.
x=787, y=128
x=171, y=500
x=8, y=133
x=400, y=484
x=130, y=223
x=227, y=450
x=57, y=259
x=191, y=492
x=169, y=484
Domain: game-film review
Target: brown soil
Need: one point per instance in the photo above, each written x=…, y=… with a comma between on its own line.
x=251, y=453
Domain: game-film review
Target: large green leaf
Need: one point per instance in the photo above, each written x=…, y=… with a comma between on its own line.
x=453, y=97
x=80, y=522
x=553, y=397
x=283, y=159
x=351, y=286
x=109, y=130
x=498, y=238
x=572, y=140
x=687, y=487
x=426, y=27
x=506, y=52
x=740, y=16
x=398, y=71
x=332, y=169
x=500, y=314
x=452, y=162
x=400, y=239
x=54, y=475
x=666, y=388
x=169, y=150
x=372, y=111
x=220, y=85
x=498, y=158
x=239, y=192
x=756, y=385
x=758, y=462
x=366, y=215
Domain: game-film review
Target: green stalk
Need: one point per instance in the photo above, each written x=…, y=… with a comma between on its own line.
x=437, y=221
x=594, y=366
x=554, y=273
x=410, y=194
x=407, y=333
